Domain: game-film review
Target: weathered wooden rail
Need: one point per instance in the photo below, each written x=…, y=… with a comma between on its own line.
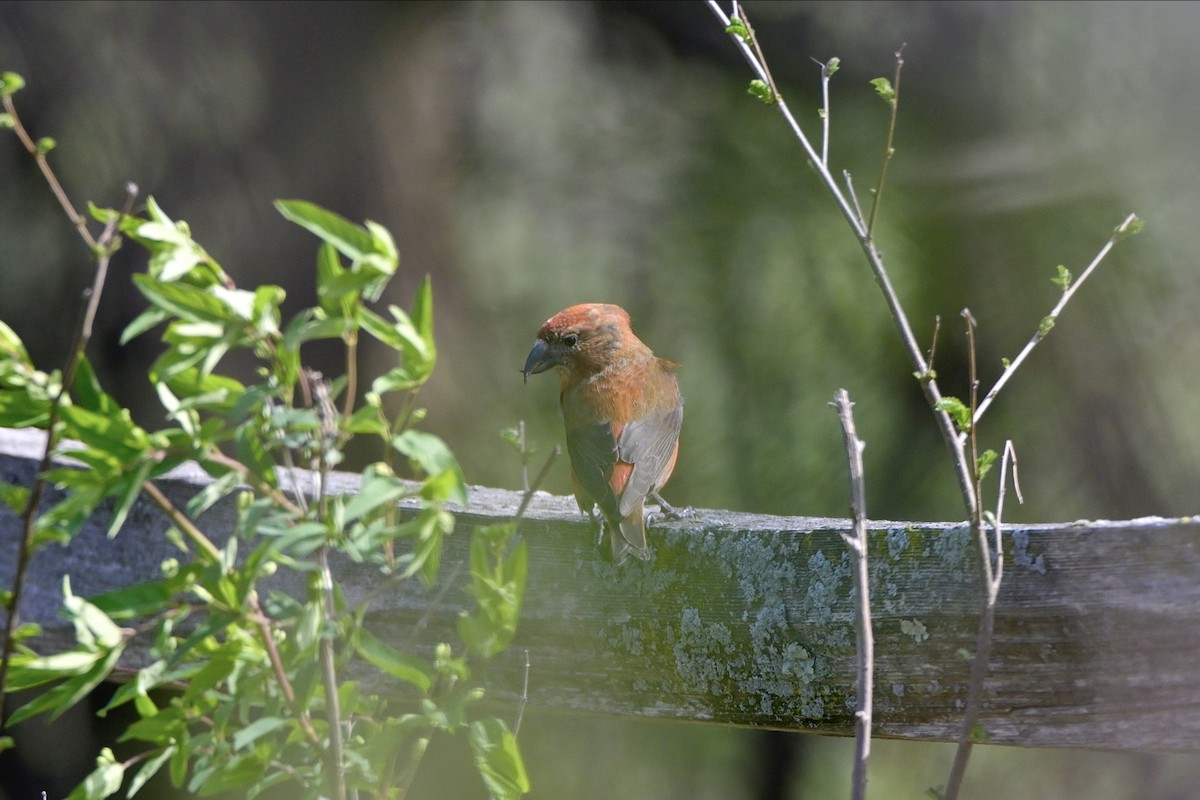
x=748, y=620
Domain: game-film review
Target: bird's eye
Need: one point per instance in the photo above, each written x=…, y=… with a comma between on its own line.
x=570, y=339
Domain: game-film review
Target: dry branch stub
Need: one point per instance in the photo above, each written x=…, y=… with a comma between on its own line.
x=749, y=620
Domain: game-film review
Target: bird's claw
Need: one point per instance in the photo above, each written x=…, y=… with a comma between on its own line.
x=669, y=511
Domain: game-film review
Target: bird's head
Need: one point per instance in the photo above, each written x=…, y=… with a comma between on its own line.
x=579, y=340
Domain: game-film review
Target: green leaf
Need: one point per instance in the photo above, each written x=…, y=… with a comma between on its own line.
x=738, y=28
x=21, y=409
x=411, y=335
x=1045, y=326
x=207, y=497
x=148, y=769
x=45, y=145
x=498, y=586
x=762, y=91
x=377, y=489
x=104, y=781
x=10, y=84
x=1131, y=228
x=14, y=499
x=56, y=666
x=188, y=303
x=231, y=775
x=173, y=253
x=130, y=488
x=11, y=346
x=831, y=66
x=256, y=730
x=352, y=241
x=498, y=759
x=88, y=393
x=142, y=323
x=145, y=599
x=985, y=461
x=407, y=668
x=1063, y=279
x=116, y=436
x=883, y=88
x=254, y=455
x=957, y=410
x=429, y=454
x=65, y=695
x=91, y=624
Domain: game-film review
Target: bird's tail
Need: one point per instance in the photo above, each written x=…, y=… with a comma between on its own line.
x=628, y=536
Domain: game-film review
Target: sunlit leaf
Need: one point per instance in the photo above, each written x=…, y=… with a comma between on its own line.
x=395, y=663
x=498, y=759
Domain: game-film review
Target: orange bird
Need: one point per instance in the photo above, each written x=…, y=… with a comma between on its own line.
x=622, y=411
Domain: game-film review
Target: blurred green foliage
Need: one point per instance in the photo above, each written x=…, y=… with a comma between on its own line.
x=531, y=156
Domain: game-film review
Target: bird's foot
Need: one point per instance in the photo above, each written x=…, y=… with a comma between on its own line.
x=669, y=511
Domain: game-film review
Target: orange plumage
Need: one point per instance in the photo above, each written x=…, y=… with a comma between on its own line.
x=622, y=411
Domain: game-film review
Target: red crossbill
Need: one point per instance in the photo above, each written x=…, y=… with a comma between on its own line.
x=622, y=411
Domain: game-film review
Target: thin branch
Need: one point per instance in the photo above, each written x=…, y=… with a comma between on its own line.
x=318, y=394
x=263, y=623
x=827, y=70
x=937, y=327
x=351, y=376
x=39, y=155
x=991, y=572
x=102, y=249
x=1128, y=226
x=862, y=598
x=930, y=387
x=257, y=483
x=181, y=521
x=541, y=476
x=858, y=213
x=524, y=454
x=524, y=698
x=888, y=150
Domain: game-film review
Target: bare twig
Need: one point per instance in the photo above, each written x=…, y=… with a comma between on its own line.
x=827, y=70
x=1127, y=226
x=181, y=521
x=937, y=327
x=39, y=155
x=991, y=573
x=858, y=213
x=524, y=698
x=541, y=476
x=524, y=454
x=888, y=149
x=862, y=598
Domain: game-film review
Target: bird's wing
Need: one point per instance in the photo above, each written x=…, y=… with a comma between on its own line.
x=648, y=443
x=593, y=453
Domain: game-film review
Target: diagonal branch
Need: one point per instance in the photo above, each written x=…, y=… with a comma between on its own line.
x=1130, y=225
x=875, y=259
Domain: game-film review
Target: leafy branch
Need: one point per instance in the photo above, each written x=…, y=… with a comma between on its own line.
x=253, y=678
